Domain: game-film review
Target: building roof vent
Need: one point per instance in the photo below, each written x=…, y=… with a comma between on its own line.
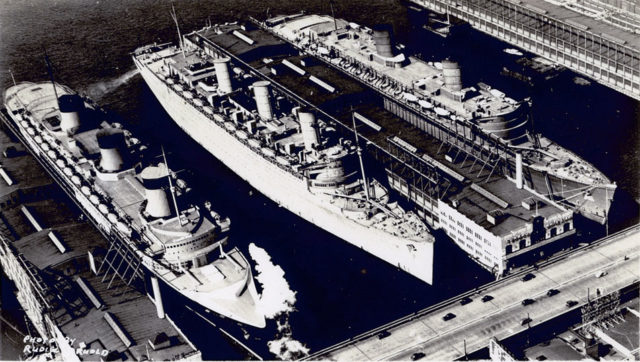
x=495, y=216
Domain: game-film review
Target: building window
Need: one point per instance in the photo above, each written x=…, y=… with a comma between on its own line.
x=554, y=232
x=523, y=243
x=567, y=226
x=509, y=249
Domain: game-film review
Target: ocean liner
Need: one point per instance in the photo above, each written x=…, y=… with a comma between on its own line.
x=285, y=150
x=432, y=97
x=135, y=198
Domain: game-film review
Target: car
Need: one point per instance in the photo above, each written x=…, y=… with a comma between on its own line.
x=571, y=303
x=383, y=334
x=465, y=300
x=526, y=321
x=448, y=316
x=528, y=301
x=416, y=356
x=600, y=273
x=552, y=292
x=487, y=298
x=528, y=277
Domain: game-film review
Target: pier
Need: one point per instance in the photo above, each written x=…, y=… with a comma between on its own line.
x=596, y=40
x=609, y=264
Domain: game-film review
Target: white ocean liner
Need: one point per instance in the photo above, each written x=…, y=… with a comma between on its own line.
x=284, y=152
x=101, y=165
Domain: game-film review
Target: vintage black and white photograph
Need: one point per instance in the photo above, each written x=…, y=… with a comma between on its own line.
x=325, y=180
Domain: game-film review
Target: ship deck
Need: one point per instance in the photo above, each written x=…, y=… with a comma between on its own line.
x=351, y=93
x=71, y=309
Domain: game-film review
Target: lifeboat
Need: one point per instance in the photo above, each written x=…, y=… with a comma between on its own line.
x=230, y=126
x=208, y=109
x=267, y=151
x=123, y=228
x=68, y=171
x=76, y=180
x=241, y=134
x=410, y=97
x=94, y=199
x=103, y=208
x=441, y=112
x=254, y=143
x=113, y=218
x=60, y=162
x=85, y=190
x=425, y=104
x=283, y=161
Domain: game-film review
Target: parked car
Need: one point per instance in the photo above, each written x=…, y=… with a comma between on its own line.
x=528, y=301
x=383, y=334
x=552, y=292
x=528, y=277
x=449, y=316
x=465, y=300
x=571, y=303
x=416, y=356
x=526, y=321
x=487, y=298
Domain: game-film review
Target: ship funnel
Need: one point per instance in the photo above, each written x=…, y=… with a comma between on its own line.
x=382, y=40
x=308, y=128
x=452, y=75
x=154, y=180
x=111, y=143
x=222, y=74
x=71, y=105
x=263, y=102
x=519, y=170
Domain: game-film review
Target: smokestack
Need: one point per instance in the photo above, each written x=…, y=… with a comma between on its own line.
x=519, y=170
x=261, y=92
x=70, y=107
x=452, y=75
x=309, y=130
x=154, y=180
x=111, y=143
x=222, y=74
x=382, y=40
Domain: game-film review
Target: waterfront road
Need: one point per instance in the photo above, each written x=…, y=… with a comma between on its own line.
x=608, y=265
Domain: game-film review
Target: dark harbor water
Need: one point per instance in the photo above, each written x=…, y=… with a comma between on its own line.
x=340, y=291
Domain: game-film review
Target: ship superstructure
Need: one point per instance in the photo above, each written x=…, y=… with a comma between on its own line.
x=284, y=150
x=433, y=97
x=136, y=198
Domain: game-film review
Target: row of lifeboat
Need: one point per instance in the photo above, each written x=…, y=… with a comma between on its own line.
x=64, y=161
x=232, y=128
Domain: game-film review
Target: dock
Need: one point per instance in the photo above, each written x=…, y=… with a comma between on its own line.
x=592, y=38
x=608, y=266
x=51, y=252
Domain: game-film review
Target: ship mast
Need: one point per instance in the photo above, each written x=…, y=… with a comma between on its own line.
x=50, y=69
x=173, y=190
x=175, y=20
x=333, y=15
x=359, y=152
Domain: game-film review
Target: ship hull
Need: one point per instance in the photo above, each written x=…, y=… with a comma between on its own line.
x=286, y=189
x=108, y=229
